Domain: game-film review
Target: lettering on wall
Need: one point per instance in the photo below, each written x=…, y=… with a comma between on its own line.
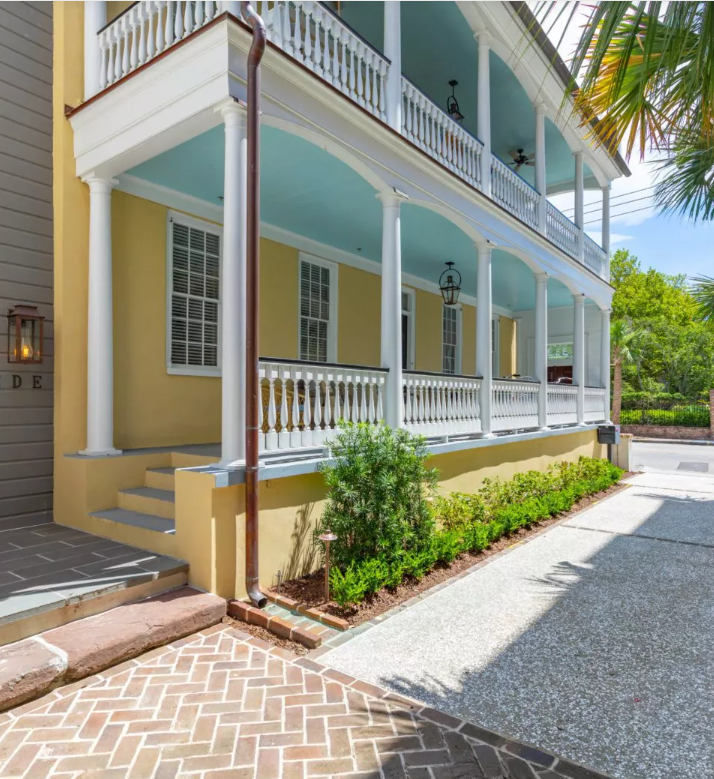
x=21, y=381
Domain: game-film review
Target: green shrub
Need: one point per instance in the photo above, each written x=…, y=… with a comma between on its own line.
x=470, y=523
x=379, y=494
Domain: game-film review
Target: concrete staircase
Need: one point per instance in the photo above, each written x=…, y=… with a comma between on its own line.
x=150, y=507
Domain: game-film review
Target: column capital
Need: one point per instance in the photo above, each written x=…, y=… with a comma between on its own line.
x=483, y=245
x=578, y=154
x=579, y=297
x=541, y=277
x=539, y=106
x=99, y=183
x=483, y=37
x=233, y=111
x=607, y=187
x=392, y=198
x=605, y=312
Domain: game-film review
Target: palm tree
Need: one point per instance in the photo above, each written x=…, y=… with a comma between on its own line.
x=703, y=292
x=624, y=341
x=647, y=71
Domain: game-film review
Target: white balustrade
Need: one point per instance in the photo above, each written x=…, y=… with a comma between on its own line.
x=512, y=192
x=301, y=404
x=436, y=133
x=314, y=36
x=440, y=405
x=146, y=29
x=562, y=404
x=596, y=406
x=514, y=405
x=561, y=231
x=593, y=256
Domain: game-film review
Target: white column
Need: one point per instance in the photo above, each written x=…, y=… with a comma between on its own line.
x=605, y=357
x=95, y=18
x=540, y=180
x=606, y=229
x=483, y=112
x=541, y=347
x=233, y=287
x=391, y=334
x=484, y=317
x=579, y=201
x=393, y=52
x=100, y=330
x=579, y=353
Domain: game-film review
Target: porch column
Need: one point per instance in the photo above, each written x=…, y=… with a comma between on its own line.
x=606, y=229
x=483, y=112
x=391, y=334
x=540, y=180
x=393, y=52
x=95, y=18
x=484, y=323
x=579, y=201
x=100, y=329
x=233, y=287
x=541, y=347
x=579, y=353
x=605, y=358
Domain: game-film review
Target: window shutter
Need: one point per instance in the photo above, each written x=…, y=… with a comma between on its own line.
x=195, y=272
x=314, y=311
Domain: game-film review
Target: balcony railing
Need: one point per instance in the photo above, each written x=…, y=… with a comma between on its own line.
x=436, y=133
x=512, y=192
x=436, y=404
x=317, y=38
x=302, y=403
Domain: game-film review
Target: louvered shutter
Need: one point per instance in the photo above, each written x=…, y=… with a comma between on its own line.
x=314, y=311
x=195, y=273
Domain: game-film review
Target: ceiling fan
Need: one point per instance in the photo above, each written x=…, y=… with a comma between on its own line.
x=520, y=159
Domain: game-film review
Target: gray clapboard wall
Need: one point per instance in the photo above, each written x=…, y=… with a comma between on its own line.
x=25, y=259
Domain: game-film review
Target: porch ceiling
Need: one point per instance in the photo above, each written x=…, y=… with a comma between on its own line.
x=454, y=55
x=307, y=191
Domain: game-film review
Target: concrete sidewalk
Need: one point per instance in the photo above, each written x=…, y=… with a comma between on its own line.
x=592, y=641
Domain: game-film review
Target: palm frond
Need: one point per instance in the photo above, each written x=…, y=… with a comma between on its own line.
x=686, y=178
x=703, y=292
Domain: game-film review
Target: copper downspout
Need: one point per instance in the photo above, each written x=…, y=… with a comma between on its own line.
x=255, y=55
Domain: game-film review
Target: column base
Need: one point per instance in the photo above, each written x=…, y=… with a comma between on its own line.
x=487, y=435
x=544, y=429
x=231, y=465
x=100, y=452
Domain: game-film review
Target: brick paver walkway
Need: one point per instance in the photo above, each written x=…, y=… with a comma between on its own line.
x=223, y=705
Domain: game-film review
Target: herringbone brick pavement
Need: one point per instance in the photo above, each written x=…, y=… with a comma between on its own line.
x=223, y=705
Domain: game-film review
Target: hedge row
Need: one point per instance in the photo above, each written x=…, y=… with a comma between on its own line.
x=469, y=523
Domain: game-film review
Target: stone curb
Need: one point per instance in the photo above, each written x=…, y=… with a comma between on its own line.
x=307, y=611
x=34, y=666
x=276, y=625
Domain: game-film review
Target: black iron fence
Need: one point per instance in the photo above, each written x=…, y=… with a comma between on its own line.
x=674, y=412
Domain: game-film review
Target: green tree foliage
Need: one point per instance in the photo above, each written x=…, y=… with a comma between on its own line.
x=675, y=351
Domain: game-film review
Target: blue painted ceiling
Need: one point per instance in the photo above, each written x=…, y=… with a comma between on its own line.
x=453, y=54
x=306, y=190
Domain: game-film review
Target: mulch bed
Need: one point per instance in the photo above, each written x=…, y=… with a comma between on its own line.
x=266, y=635
x=309, y=590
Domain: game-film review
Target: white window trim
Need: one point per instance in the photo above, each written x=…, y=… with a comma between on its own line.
x=411, y=356
x=459, y=338
x=199, y=224
x=332, y=324
x=496, y=346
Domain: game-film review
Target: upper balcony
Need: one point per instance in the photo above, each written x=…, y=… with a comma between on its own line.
x=344, y=46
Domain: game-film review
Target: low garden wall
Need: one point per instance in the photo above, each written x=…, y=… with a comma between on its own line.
x=670, y=432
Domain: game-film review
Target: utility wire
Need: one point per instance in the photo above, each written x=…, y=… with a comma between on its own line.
x=613, y=204
x=624, y=213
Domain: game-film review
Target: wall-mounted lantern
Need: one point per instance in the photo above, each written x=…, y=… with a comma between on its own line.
x=452, y=104
x=24, y=334
x=450, y=285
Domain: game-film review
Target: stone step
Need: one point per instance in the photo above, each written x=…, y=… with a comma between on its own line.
x=160, y=478
x=137, y=519
x=149, y=500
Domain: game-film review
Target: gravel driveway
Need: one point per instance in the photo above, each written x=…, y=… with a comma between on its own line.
x=593, y=640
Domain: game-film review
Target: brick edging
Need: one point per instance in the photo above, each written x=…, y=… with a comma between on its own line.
x=276, y=625
x=307, y=611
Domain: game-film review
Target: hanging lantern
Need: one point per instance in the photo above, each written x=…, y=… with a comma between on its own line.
x=452, y=104
x=24, y=334
x=450, y=285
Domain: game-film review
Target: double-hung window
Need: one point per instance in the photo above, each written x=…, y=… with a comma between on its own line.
x=318, y=282
x=194, y=281
x=451, y=339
